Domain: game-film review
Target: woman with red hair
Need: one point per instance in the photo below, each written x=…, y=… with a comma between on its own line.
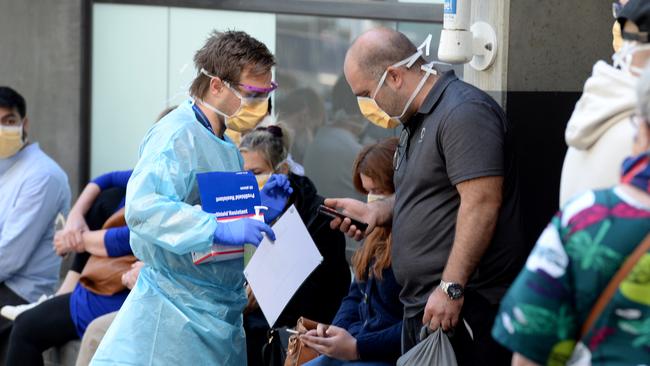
x=367, y=328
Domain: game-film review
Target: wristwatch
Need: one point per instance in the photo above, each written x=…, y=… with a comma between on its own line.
x=454, y=290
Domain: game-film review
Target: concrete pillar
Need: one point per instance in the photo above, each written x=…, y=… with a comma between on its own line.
x=552, y=48
x=493, y=80
x=546, y=52
x=41, y=59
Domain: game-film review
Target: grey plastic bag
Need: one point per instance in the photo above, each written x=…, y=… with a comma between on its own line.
x=435, y=350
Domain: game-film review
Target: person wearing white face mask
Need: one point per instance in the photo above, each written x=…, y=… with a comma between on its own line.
x=265, y=151
x=598, y=134
x=367, y=328
x=33, y=191
x=178, y=312
x=457, y=236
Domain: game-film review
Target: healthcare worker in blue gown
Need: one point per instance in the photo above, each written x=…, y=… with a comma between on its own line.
x=180, y=313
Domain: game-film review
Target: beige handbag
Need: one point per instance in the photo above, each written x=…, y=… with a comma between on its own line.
x=299, y=353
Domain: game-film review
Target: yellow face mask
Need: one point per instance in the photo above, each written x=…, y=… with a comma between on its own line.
x=246, y=118
x=374, y=113
x=234, y=136
x=11, y=141
x=250, y=113
x=617, y=39
x=262, y=179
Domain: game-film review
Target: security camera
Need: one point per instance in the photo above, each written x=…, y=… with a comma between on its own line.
x=460, y=43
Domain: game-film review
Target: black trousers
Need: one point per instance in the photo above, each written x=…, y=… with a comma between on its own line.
x=47, y=325
x=256, y=328
x=7, y=297
x=482, y=350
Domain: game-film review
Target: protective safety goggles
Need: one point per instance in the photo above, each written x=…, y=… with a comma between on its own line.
x=252, y=92
x=255, y=89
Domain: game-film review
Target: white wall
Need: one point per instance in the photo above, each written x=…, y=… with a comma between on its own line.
x=142, y=63
x=188, y=31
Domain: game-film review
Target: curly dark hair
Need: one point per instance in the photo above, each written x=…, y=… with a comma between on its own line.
x=226, y=54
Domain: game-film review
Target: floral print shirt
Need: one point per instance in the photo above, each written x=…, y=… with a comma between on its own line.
x=573, y=261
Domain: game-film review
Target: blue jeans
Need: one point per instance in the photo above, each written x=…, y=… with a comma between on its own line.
x=326, y=361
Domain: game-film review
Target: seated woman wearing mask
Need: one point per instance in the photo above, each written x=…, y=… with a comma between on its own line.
x=265, y=151
x=367, y=328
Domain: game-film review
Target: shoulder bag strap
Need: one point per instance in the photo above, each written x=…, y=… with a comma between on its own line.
x=607, y=294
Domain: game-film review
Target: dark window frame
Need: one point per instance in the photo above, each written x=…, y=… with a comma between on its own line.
x=362, y=9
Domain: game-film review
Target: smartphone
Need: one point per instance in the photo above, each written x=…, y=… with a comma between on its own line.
x=332, y=213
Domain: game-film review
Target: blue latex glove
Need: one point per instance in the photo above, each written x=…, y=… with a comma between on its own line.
x=240, y=232
x=274, y=195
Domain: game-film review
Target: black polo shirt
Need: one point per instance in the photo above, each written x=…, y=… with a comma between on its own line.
x=459, y=133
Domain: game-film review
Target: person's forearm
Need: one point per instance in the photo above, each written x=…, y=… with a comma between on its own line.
x=94, y=242
x=474, y=230
x=194, y=229
x=69, y=283
x=384, y=209
x=519, y=360
x=86, y=199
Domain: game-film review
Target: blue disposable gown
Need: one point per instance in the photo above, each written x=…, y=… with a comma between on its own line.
x=178, y=313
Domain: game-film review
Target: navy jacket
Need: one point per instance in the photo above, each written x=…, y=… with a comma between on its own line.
x=372, y=313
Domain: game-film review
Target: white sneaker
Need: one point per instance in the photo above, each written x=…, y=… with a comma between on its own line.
x=11, y=312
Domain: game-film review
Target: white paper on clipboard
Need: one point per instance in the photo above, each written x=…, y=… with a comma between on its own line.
x=278, y=269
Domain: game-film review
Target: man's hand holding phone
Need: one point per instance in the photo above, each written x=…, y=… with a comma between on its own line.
x=333, y=214
x=376, y=213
